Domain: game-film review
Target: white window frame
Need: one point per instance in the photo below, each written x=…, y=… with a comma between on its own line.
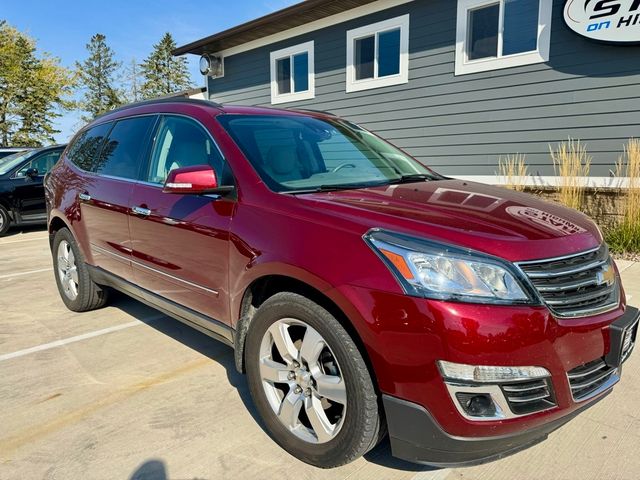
x=465, y=66
x=308, y=48
x=354, y=85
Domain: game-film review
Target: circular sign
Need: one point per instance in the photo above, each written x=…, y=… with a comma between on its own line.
x=615, y=21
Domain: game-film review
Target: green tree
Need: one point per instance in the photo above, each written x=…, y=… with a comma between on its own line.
x=133, y=82
x=97, y=75
x=34, y=90
x=163, y=73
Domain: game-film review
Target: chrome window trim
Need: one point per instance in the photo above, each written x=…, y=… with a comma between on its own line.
x=134, y=262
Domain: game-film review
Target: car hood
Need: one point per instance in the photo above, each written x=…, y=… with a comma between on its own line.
x=493, y=220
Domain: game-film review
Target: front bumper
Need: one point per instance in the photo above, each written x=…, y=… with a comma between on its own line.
x=416, y=437
x=405, y=337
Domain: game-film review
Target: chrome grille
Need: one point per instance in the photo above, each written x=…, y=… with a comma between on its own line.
x=529, y=397
x=576, y=285
x=589, y=380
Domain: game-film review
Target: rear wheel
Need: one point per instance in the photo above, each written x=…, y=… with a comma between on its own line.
x=78, y=292
x=310, y=382
x=5, y=220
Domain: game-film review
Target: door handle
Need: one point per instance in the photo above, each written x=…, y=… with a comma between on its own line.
x=143, y=212
x=84, y=197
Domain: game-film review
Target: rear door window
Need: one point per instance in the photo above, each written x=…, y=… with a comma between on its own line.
x=85, y=149
x=122, y=153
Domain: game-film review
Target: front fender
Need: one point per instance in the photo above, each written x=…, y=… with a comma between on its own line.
x=264, y=269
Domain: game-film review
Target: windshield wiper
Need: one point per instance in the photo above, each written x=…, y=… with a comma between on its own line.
x=412, y=178
x=334, y=188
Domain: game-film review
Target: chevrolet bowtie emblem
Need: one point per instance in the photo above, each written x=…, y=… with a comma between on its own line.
x=606, y=276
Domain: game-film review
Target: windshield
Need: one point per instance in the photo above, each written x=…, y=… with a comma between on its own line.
x=298, y=154
x=9, y=162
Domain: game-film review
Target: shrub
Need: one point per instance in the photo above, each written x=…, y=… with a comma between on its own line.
x=625, y=237
x=571, y=162
x=514, y=171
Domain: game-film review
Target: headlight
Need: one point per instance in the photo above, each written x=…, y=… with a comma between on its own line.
x=444, y=272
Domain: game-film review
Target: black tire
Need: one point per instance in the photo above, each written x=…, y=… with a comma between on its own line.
x=5, y=220
x=361, y=424
x=90, y=296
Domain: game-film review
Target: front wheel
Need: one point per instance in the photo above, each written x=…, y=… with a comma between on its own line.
x=310, y=382
x=5, y=220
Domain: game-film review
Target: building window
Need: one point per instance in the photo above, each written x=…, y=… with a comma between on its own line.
x=494, y=34
x=378, y=54
x=292, y=74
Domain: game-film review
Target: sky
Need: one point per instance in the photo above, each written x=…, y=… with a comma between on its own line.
x=63, y=28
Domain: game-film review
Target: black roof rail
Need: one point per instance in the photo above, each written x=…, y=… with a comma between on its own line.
x=154, y=101
x=324, y=112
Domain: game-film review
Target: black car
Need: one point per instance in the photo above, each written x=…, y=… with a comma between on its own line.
x=21, y=191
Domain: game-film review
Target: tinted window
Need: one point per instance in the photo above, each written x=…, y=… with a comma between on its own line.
x=293, y=79
x=42, y=163
x=365, y=54
x=181, y=142
x=284, y=75
x=484, y=24
x=520, y=26
x=301, y=72
x=85, y=149
x=389, y=53
x=121, y=154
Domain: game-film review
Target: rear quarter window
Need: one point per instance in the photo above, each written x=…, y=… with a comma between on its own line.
x=85, y=149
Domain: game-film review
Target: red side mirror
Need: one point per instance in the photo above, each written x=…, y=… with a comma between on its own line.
x=199, y=179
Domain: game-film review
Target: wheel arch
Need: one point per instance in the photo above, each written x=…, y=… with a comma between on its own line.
x=56, y=223
x=264, y=287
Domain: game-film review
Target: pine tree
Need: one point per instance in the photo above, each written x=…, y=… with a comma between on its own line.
x=133, y=82
x=163, y=73
x=33, y=91
x=97, y=74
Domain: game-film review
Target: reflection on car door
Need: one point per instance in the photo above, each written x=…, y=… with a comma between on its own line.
x=29, y=191
x=168, y=229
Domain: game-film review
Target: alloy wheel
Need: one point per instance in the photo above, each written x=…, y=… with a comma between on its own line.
x=67, y=270
x=302, y=381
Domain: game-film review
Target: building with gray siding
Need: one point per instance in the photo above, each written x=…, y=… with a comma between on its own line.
x=479, y=79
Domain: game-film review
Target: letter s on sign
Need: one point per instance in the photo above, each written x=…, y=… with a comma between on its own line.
x=604, y=8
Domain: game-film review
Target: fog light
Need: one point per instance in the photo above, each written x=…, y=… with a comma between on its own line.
x=477, y=405
x=489, y=374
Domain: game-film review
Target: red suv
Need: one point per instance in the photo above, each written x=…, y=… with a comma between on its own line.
x=362, y=292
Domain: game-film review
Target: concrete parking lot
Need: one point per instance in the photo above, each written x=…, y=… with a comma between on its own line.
x=127, y=393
